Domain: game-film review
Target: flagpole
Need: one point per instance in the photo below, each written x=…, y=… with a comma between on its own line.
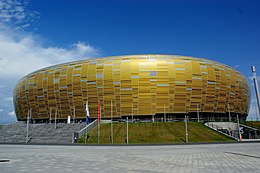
x=98, y=133
x=164, y=113
x=132, y=113
x=238, y=126
x=87, y=122
x=27, y=129
x=229, y=117
x=30, y=113
x=126, y=130
x=98, y=122
x=55, y=118
x=112, y=123
x=86, y=135
x=74, y=113
x=50, y=115
x=186, y=129
x=198, y=113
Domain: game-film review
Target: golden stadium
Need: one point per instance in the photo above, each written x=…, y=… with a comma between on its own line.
x=142, y=86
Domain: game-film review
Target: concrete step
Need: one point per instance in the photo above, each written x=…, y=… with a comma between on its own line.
x=39, y=133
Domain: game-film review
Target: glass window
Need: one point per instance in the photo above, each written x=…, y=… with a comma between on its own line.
x=99, y=75
x=56, y=80
x=162, y=84
x=153, y=73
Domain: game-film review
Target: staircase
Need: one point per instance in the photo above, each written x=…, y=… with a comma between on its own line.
x=231, y=129
x=227, y=128
x=39, y=133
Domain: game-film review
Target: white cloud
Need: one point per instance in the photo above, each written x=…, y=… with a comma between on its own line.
x=8, y=99
x=16, y=13
x=11, y=114
x=24, y=55
x=22, y=52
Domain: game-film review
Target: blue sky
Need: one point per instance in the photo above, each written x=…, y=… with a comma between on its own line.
x=39, y=33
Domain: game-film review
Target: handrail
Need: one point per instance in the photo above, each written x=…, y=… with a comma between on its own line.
x=88, y=126
x=217, y=128
x=82, y=132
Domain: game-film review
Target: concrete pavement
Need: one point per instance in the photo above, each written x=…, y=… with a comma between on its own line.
x=233, y=157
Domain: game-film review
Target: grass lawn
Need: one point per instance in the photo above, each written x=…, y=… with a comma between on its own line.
x=170, y=132
x=255, y=124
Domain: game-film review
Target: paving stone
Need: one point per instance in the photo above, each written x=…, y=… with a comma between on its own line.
x=131, y=159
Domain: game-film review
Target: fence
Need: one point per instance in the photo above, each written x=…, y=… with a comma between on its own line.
x=82, y=132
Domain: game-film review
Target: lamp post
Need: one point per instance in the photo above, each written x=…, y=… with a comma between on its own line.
x=256, y=87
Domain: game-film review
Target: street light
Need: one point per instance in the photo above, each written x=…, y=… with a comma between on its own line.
x=256, y=87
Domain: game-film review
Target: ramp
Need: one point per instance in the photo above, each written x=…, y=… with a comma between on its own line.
x=236, y=131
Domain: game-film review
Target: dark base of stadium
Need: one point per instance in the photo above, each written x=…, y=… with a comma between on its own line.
x=160, y=117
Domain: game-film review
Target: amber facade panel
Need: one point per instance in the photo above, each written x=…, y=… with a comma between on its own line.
x=137, y=84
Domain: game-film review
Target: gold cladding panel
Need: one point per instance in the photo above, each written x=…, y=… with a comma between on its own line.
x=138, y=84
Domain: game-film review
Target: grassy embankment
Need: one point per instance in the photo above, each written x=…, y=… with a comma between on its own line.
x=255, y=124
x=143, y=133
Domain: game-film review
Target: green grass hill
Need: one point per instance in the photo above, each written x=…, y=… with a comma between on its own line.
x=254, y=124
x=154, y=133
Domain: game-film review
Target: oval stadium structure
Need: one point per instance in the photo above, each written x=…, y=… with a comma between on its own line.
x=142, y=86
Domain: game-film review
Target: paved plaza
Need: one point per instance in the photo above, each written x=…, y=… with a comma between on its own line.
x=234, y=157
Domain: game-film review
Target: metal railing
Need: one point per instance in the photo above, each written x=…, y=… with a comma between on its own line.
x=232, y=133
x=82, y=132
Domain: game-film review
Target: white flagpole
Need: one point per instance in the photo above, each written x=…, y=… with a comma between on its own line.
x=50, y=115
x=229, y=116
x=27, y=129
x=132, y=113
x=30, y=113
x=87, y=121
x=86, y=136
x=112, y=140
x=198, y=113
x=99, y=117
x=55, y=119
x=164, y=113
x=186, y=129
x=238, y=127
x=127, y=130
x=74, y=114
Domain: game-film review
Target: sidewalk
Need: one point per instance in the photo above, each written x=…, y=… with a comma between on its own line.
x=230, y=157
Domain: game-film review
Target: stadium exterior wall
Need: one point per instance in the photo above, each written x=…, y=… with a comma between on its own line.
x=141, y=85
